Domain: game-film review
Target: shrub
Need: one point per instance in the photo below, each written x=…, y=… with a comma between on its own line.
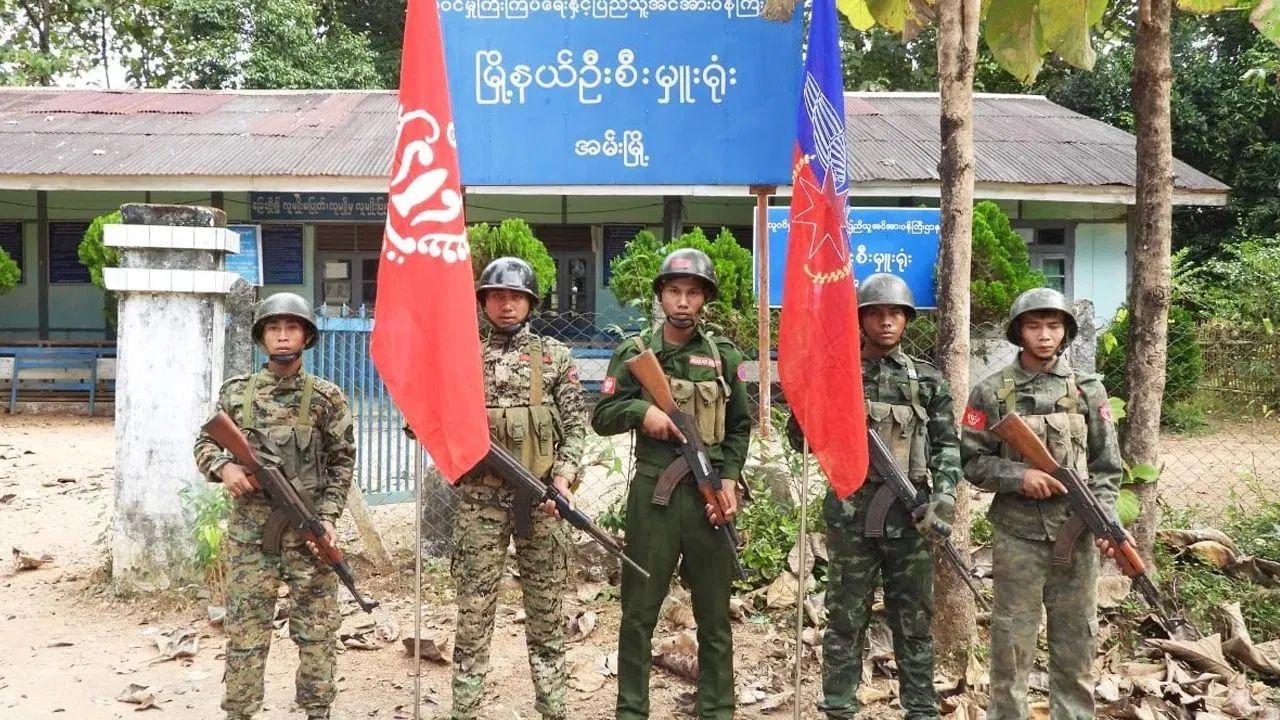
x=1001, y=267
x=10, y=274
x=1183, y=370
x=512, y=238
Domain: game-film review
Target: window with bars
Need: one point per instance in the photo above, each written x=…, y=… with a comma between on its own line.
x=1050, y=250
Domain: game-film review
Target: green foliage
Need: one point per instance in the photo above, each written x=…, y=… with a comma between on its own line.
x=733, y=312
x=1001, y=267
x=1238, y=286
x=211, y=506
x=771, y=526
x=1183, y=369
x=981, y=531
x=10, y=273
x=512, y=238
x=43, y=40
x=93, y=253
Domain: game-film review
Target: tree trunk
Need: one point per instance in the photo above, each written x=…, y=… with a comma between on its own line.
x=955, y=624
x=1150, y=292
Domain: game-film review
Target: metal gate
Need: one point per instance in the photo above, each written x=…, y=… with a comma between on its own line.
x=384, y=456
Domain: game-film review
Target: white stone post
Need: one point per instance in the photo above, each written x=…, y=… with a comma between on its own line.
x=168, y=369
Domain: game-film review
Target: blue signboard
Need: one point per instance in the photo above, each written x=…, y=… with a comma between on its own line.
x=621, y=92
x=282, y=255
x=901, y=241
x=298, y=207
x=248, y=262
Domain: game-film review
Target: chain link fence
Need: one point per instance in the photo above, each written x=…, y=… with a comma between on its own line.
x=1220, y=442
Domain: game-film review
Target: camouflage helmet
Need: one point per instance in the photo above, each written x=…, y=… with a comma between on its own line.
x=508, y=273
x=1034, y=300
x=289, y=304
x=886, y=289
x=688, y=262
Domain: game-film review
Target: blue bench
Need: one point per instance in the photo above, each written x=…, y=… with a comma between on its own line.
x=69, y=359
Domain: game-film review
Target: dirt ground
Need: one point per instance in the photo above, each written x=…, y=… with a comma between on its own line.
x=72, y=646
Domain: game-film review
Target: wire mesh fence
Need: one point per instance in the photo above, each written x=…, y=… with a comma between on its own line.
x=1220, y=437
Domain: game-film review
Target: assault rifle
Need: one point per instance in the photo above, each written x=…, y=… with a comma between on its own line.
x=897, y=486
x=1089, y=514
x=290, y=509
x=693, y=459
x=531, y=491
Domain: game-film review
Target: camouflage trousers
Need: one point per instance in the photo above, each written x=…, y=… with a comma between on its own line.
x=481, y=534
x=253, y=579
x=1025, y=581
x=856, y=565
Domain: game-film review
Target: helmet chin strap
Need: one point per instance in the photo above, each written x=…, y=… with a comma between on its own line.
x=681, y=323
x=284, y=359
x=509, y=330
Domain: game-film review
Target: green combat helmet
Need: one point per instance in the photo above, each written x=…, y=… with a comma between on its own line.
x=886, y=289
x=1040, y=299
x=508, y=273
x=289, y=304
x=688, y=262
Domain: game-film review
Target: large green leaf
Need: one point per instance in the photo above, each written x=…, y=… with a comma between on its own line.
x=1014, y=36
x=1210, y=6
x=890, y=14
x=858, y=13
x=1065, y=25
x=1097, y=9
x=1127, y=506
x=1118, y=412
x=1266, y=17
x=1144, y=473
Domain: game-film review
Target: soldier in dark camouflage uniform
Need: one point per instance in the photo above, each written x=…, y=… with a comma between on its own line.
x=673, y=532
x=909, y=403
x=307, y=422
x=1070, y=412
x=536, y=411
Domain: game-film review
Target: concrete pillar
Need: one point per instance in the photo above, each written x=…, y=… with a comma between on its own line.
x=238, y=354
x=168, y=370
x=1084, y=351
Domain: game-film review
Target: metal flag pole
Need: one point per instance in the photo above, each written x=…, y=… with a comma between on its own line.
x=417, y=581
x=803, y=544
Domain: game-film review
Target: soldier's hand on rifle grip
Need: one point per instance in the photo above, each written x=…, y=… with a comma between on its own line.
x=328, y=535
x=659, y=425
x=728, y=499
x=1040, y=485
x=549, y=506
x=235, y=479
x=1112, y=551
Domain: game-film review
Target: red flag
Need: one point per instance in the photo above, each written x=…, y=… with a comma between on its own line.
x=426, y=344
x=819, y=357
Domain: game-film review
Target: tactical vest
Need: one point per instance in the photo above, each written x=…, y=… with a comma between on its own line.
x=706, y=400
x=904, y=429
x=529, y=432
x=297, y=446
x=1065, y=432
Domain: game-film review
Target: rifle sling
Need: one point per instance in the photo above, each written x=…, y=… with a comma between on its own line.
x=1064, y=548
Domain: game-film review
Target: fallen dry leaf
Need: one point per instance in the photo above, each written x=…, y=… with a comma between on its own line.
x=680, y=616
x=585, y=677
x=1179, y=538
x=1108, y=689
x=580, y=626
x=387, y=631
x=7, y=498
x=1204, y=654
x=144, y=696
x=26, y=561
x=1213, y=553
x=177, y=643
x=783, y=592
x=679, y=654
x=737, y=608
x=589, y=591
x=1039, y=711
x=777, y=700
x=432, y=649
x=216, y=613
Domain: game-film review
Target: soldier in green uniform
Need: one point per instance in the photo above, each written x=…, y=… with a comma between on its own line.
x=307, y=425
x=909, y=403
x=1069, y=410
x=536, y=411
x=670, y=526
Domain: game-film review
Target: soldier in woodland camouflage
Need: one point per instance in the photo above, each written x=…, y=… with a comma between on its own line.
x=909, y=403
x=537, y=412
x=309, y=430
x=1070, y=412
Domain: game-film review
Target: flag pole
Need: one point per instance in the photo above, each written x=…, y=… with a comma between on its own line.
x=803, y=543
x=764, y=343
x=417, y=581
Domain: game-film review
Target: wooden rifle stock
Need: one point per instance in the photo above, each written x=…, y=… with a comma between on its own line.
x=1017, y=434
x=647, y=371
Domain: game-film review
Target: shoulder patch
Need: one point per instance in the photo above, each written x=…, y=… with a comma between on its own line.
x=742, y=372
x=608, y=386
x=1104, y=411
x=974, y=418
x=572, y=374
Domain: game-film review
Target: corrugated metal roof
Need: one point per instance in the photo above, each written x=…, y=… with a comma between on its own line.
x=893, y=137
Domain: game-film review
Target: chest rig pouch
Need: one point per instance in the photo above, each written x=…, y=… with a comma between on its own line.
x=530, y=433
x=904, y=429
x=294, y=447
x=1065, y=432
